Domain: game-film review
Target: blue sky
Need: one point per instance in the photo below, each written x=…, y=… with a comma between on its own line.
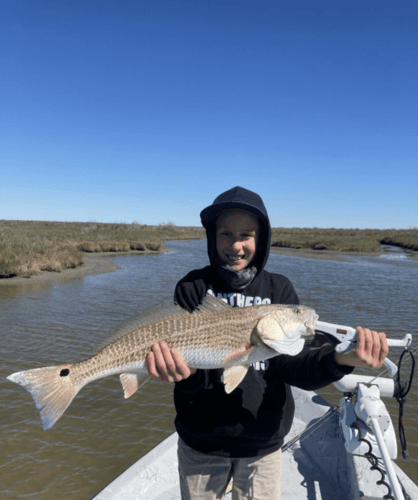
x=124, y=110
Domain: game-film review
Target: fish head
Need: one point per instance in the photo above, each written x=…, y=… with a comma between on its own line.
x=284, y=328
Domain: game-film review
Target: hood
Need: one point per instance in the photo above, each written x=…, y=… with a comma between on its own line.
x=239, y=197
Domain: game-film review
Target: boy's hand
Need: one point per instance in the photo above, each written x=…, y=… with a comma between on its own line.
x=371, y=350
x=165, y=363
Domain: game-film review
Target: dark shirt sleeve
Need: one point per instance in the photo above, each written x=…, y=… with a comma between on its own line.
x=311, y=369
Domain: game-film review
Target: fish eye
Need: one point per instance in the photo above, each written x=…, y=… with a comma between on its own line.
x=296, y=310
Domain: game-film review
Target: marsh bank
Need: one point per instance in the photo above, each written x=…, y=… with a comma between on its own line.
x=32, y=247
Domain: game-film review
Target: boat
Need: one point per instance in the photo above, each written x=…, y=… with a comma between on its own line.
x=315, y=463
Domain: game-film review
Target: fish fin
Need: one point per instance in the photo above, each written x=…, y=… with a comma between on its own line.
x=210, y=304
x=154, y=313
x=233, y=376
x=131, y=382
x=51, y=388
x=240, y=356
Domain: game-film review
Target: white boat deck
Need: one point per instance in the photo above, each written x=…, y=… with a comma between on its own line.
x=315, y=468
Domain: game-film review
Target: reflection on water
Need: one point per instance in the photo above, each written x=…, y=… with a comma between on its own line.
x=101, y=433
x=393, y=253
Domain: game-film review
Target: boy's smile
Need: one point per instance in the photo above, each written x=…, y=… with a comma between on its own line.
x=236, y=238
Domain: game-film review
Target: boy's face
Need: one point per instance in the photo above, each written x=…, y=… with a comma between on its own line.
x=236, y=238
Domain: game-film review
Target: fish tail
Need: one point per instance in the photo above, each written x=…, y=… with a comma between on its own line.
x=52, y=389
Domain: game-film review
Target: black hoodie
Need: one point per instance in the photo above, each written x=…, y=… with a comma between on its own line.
x=254, y=419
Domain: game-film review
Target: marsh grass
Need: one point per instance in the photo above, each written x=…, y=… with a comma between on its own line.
x=119, y=246
x=29, y=247
x=25, y=258
x=344, y=240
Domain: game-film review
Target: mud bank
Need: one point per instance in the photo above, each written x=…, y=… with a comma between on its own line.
x=94, y=263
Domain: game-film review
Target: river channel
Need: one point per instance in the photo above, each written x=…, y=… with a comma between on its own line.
x=101, y=433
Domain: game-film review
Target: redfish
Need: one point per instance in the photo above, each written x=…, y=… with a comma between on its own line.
x=214, y=336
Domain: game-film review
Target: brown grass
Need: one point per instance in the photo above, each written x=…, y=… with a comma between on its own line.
x=55, y=257
x=29, y=247
x=344, y=240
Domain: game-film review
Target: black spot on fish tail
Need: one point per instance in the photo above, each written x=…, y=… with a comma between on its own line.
x=52, y=395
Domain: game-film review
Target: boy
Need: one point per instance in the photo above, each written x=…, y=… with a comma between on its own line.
x=239, y=435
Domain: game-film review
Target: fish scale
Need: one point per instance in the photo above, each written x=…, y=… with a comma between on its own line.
x=215, y=336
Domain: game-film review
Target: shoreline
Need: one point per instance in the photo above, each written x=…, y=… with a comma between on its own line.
x=97, y=263
x=94, y=263
x=334, y=255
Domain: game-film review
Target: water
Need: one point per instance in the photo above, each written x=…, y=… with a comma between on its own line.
x=101, y=433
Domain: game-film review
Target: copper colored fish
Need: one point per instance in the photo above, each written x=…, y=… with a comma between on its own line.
x=214, y=336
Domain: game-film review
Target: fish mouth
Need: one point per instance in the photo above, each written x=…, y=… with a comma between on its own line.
x=309, y=333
